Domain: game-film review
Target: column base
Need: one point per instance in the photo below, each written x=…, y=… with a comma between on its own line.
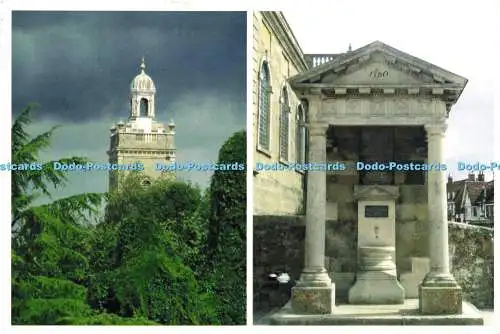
x=440, y=294
x=314, y=277
x=313, y=300
x=376, y=288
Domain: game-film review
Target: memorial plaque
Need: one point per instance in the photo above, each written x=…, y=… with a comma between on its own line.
x=376, y=211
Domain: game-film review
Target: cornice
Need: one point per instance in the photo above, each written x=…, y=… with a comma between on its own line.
x=448, y=95
x=363, y=54
x=279, y=26
x=131, y=150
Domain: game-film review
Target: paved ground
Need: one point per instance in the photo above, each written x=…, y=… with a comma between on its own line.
x=262, y=318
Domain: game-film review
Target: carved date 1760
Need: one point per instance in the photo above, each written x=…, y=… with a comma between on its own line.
x=379, y=74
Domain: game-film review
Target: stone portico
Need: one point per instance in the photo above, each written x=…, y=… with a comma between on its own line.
x=376, y=88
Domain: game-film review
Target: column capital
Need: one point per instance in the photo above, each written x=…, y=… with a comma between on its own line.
x=317, y=129
x=436, y=129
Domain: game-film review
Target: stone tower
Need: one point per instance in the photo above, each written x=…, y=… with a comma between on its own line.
x=141, y=138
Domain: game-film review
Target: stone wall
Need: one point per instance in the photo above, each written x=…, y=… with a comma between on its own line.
x=279, y=247
x=471, y=253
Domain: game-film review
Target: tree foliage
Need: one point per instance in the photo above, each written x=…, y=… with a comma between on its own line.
x=145, y=251
x=227, y=232
x=49, y=243
x=157, y=256
x=29, y=184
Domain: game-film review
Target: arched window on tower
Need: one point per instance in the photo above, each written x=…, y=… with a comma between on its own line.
x=144, y=108
x=301, y=135
x=264, y=107
x=284, y=125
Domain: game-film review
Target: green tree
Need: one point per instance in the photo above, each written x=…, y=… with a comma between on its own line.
x=167, y=205
x=226, y=244
x=28, y=185
x=51, y=242
x=163, y=254
x=143, y=259
x=49, y=245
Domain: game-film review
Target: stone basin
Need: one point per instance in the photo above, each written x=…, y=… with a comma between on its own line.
x=376, y=279
x=376, y=249
x=373, y=258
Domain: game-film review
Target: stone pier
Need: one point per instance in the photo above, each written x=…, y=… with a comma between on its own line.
x=315, y=292
x=439, y=293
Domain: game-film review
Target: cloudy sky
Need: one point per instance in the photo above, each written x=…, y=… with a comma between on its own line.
x=78, y=67
x=454, y=35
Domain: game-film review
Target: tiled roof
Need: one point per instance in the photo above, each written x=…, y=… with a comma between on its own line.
x=490, y=194
x=487, y=195
x=456, y=187
x=474, y=190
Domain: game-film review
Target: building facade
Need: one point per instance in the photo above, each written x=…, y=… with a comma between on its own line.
x=141, y=139
x=471, y=200
x=279, y=116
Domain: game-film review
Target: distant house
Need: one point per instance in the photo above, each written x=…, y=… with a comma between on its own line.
x=471, y=200
x=485, y=200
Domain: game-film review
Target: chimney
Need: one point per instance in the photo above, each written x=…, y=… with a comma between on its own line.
x=450, y=179
x=480, y=177
x=471, y=177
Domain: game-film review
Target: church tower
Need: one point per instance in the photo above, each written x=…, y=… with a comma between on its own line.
x=141, y=138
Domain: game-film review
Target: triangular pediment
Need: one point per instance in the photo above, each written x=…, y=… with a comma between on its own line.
x=376, y=70
x=377, y=64
x=376, y=192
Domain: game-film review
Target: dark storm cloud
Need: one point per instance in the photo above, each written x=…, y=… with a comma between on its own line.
x=78, y=68
x=78, y=65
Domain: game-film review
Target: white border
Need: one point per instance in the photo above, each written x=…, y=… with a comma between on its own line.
x=250, y=154
x=177, y=5
x=496, y=145
x=6, y=8
x=5, y=156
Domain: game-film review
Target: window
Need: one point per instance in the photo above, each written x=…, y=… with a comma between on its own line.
x=284, y=125
x=300, y=140
x=144, y=108
x=264, y=107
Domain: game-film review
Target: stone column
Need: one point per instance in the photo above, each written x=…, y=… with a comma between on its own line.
x=439, y=293
x=314, y=293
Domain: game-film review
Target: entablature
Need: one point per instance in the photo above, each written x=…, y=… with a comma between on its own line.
x=377, y=110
